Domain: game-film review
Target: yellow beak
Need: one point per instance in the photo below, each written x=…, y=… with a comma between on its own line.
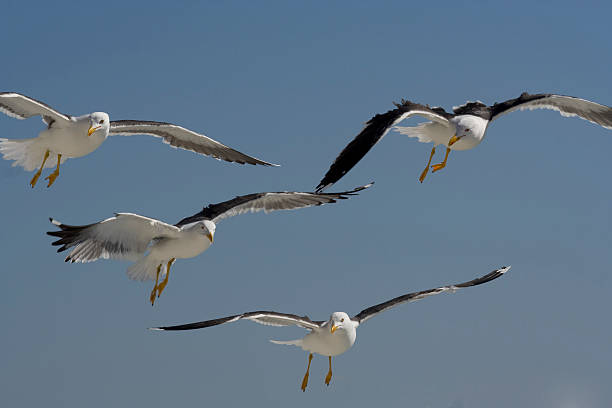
x=92, y=129
x=210, y=236
x=453, y=140
x=334, y=328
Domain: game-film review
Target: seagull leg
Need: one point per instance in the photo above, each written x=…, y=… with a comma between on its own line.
x=329, y=374
x=37, y=174
x=51, y=177
x=424, y=173
x=440, y=166
x=305, y=380
x=162, y=285
x=154, y=291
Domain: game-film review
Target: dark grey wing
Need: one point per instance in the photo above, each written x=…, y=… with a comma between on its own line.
x=284, y=200
x=374, y=130
x=411, y=297
x=262, y=317
x=180, y=137
x=566, y=105
x=22, y=107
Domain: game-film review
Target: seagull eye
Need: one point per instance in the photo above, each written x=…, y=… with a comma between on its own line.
x=102, y=121
x=342, y=320
x=467, y=130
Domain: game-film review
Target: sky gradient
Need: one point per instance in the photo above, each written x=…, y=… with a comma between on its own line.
x=292, y=83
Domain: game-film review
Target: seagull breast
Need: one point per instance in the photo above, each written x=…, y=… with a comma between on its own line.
x=187, y=245
x=322, y=341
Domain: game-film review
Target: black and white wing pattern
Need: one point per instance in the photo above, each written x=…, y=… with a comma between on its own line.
x=411, y=297
x=284, y=200
x=566, y=105
x=180, y=137
x=22, y=107
x=375, y=129
x=261, y=317
x=124, y=236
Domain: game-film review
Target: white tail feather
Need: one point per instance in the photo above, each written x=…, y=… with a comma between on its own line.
x=297, y=342
x=146, y=269
x=27, y=153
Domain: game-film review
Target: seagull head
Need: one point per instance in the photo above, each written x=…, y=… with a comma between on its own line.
x=206, y=228
x=339, y=321
x=98, y=121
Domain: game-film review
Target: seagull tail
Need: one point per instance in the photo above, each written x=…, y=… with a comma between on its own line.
x=297, y=342
x=27, y=153
x=145, y=269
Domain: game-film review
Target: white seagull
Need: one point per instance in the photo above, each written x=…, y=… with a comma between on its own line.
x=154, y=245
x=75, y=136
x=338, y=334
x=463, y=129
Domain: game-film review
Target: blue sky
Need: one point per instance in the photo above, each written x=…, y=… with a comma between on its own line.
x=292, y=83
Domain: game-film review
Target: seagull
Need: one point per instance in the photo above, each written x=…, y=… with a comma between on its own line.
x=463, y=129
x=336, y=335
x=154, y=245
x=75, y=136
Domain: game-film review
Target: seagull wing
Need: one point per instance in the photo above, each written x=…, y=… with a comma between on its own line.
x=180, y=137
x=124, y=236
x=566, y=105
x=374, y=130
x=261, y=317
x=23, y=107
x=267, y=202
x=411, y=297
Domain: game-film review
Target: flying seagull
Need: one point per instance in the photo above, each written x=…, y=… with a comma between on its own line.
x=75, y=136
x=154, y=245
x=336, y=335
x=463, y=129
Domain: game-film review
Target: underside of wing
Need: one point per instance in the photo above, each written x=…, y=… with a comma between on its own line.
x=22, y=107
x=124, y=236
x=565, y=105
x=180, y=137
x=411, y=297
x=267, y=202
x=262, y=317
x=375, y=129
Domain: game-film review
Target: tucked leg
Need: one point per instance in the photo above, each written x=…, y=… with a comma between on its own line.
x=162, y=285
x=51, y=177
x=440, y=166
x=329, y=374
x=424, y=173
x=37, y=174
x=305, y=380
x=154, y=291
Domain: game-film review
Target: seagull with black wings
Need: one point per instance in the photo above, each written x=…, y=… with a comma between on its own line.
x=154, y=245
x=337, y=334
x=69, y=136
x=463, y=129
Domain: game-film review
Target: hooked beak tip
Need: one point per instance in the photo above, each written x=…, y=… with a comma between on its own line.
x=92, y=129
x=334, y=328
x=211, y=237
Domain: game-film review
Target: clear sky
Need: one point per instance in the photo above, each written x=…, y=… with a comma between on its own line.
x=292, y=83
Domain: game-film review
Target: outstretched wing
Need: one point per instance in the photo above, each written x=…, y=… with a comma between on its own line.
x=261, y=317
x=411, y=297
x=374, y=130
x=180, y=137
x=566, y=105
x=22, y=107
x=266, y=202
x=124, y=236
